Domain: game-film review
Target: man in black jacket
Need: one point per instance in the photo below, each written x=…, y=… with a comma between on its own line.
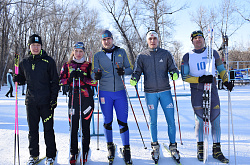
x=40, y=73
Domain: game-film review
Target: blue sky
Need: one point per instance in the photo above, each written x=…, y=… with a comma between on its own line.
x=184, y=26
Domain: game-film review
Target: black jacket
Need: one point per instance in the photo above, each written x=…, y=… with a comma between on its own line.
x=40, y=73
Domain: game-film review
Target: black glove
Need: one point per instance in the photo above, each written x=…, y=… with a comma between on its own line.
x=53, y=104
x=98, y=75
x=80, y=74
x=120, y=71
x=206, y=79
x=229, y=85
x=19, y=79
x=73, y=74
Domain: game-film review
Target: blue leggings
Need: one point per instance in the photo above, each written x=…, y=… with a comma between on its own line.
x=166, y=101
x=118, y=100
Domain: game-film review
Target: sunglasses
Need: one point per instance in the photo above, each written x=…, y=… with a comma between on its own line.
x=196, y=33
x=79, y=46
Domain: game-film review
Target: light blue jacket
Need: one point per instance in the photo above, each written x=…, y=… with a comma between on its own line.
x=10, y=80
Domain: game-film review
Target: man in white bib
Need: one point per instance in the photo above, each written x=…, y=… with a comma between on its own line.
x=193, y=71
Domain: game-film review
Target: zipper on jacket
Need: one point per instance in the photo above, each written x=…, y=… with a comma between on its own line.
x=155, y=73
x=113, y=58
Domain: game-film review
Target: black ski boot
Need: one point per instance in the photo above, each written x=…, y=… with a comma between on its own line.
x=200, y=151
x=217, y=154
x=127, y=155
x=73, y=159
x=111, y=151
x=156, y=151
x=174, y=152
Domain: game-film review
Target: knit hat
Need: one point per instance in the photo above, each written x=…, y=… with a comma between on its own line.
x=34, y=39
x=151, y=33
x=106, y=33
x=10, y=71
x=196, y=33
x=79, y=45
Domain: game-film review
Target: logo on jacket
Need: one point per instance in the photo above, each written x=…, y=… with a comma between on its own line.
x=87, y=110
x=161, y=60
x=217, y=107
x=119, y=55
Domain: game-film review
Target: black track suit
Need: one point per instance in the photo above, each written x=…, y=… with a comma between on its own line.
x=40, y=73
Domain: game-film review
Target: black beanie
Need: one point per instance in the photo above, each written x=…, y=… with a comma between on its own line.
x=34, y=39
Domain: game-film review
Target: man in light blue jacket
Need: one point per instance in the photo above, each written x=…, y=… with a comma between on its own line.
x=10, y=83
x=155, y=63
x=109, y=66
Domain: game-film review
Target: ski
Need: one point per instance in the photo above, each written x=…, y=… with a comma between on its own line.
x=127, y=163
x=38, y=161
x=207, y=94
x=177, y=161
x=16, y=145
x=41, y=160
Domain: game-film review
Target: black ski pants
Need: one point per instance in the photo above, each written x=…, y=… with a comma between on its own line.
x=87, y=108
x=34, y=112
x=10, y=91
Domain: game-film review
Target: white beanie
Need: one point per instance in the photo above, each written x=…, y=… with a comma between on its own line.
x=152, y=34
x=10, y=70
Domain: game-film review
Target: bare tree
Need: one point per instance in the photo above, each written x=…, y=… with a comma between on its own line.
x=59, y=25
x=176, y=52
x=158, y=17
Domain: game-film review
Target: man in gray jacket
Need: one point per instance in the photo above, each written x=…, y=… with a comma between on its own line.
x=155, y=63
x=108, y=66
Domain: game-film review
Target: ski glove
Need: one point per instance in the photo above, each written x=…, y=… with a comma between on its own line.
x=174, y=76
x=19, y=79
x=98, y=75
x=73, y=74
x=53, y=104
x=120, y=71
x=81, y=74
x=229, y=85
x=133, y=81
x=206, y=79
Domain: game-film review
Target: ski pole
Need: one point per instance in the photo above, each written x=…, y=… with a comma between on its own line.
x=230, y=109
x=98, y=118
x=229, y=105
x=16, y=115
x=71, y=114
x=80, y=113
x=141, y=107
x=177, y=111
x=132, y=110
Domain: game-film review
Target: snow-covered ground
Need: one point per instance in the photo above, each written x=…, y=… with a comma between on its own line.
x=240, y=106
